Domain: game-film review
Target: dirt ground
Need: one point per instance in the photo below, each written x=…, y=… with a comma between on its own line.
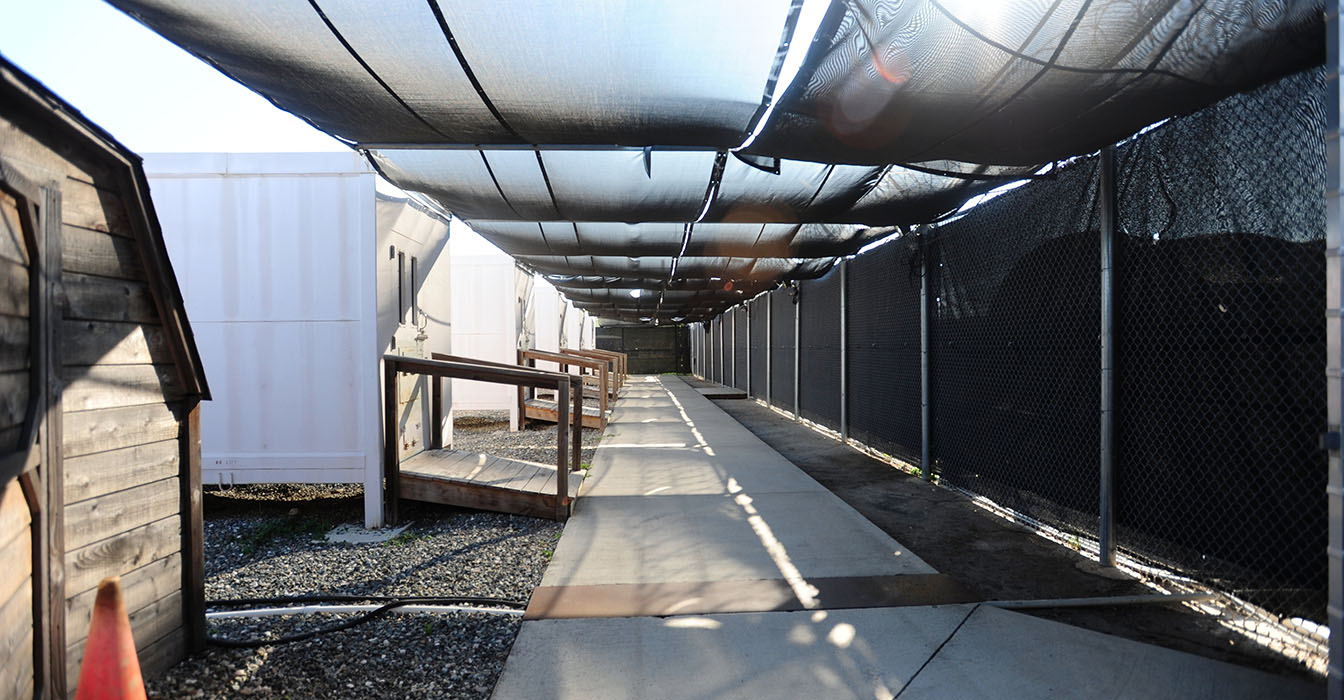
x=991, y=555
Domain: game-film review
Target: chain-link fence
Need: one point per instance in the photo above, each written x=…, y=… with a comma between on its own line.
x=741, y=343
x=757, y=344
x=1221, y=317
x=1220, y=393
x=819, y=350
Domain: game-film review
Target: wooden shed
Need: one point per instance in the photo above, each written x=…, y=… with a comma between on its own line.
x=100, y=384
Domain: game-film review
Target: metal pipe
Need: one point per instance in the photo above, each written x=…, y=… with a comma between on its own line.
x=1102, y=601
x=769, y=338
x=337, y=609
x=1105, y=529
x=1334, y=356
x=844, y=351
x=925, y=387
x=747, y=306
x=797, y=349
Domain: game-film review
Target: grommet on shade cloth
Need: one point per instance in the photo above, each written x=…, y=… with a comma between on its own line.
x=111, y=669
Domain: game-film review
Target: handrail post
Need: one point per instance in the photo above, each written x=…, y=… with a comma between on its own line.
x=576, y=448
x=391, y=454
x=435, y=413
x=561, y=447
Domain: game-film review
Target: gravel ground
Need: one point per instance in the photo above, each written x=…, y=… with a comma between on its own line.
x=488, y=432
x=268, y=540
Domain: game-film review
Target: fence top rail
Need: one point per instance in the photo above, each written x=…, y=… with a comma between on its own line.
x=479, y=370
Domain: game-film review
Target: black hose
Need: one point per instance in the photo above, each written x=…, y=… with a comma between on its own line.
x=349, y=598
x=391, y=604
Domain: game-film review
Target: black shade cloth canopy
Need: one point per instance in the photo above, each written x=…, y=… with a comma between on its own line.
x=616, y=146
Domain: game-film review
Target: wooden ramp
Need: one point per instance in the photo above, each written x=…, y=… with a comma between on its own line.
x=484, y=482
x=545, y=410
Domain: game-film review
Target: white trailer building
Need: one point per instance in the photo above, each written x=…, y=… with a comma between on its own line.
x=298, y=276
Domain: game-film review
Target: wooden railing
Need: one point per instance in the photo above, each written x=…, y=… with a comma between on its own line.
x=568, y=387
x=617, y=361
x=601, y=370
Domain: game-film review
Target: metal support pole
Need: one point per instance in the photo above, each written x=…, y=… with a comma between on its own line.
x=1334, y=343
x=844, y=351
x=925, y=386
x=732, y=332
x=797, y=350
x=748, y=308
x=1106, y=528
x=769, y=378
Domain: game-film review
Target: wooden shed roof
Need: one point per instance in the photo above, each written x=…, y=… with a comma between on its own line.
x=24, y=96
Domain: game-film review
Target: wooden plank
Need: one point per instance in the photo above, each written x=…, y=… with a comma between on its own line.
x=13, y=399
x=91, y=207
x=141, y=587
x=101, y=473
x=102, y=254
x=14, y=289
x=49, y=630
x=87, y=432
x=160, y=655
x=16, y=613
x=111, y=386
x=149, y=624
x=86, y=566
x=15, y=343
x=16, y=675
x=12, y=245
x=15, y=539
x=111, y=343
x=111, y=514
x=193, y=529
x=466, y=495
x=102, y=299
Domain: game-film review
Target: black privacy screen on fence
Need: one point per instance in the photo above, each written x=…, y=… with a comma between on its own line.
x=883, y=348
x=1015, y=354
x=1219, y=336
x=759, y=340
x=740, y=344
x=781, y=349
x=1221, y=320
x=819, y=350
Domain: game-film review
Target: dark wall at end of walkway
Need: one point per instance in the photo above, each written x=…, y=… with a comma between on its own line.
x=652, y=349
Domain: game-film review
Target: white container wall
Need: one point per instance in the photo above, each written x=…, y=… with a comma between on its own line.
x=414, y=306
x=546, y=315
x=280, y=257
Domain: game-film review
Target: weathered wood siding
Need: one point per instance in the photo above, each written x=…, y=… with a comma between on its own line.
x=16, y=540
x=123, y=412
x=16, y=594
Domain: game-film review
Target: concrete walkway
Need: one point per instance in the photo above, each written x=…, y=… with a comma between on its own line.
x=700, y=563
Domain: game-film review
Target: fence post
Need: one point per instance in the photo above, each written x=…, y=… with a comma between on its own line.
x=769, y=378
x=797, y=349
x=1106, y=527
x=844, y=351
x=1334, y=326
x=925, y=386
x=747, y=306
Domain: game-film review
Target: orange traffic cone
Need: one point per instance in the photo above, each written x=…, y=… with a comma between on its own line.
x=111, y=670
